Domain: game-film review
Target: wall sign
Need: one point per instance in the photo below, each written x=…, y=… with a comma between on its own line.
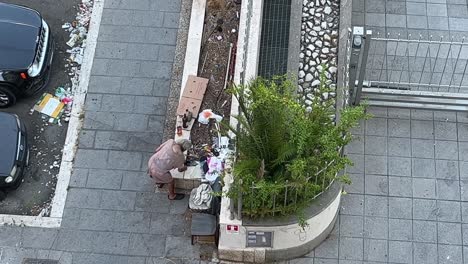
x=259, y=239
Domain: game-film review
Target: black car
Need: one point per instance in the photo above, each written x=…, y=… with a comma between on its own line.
x=14, y=154
x=26, y=52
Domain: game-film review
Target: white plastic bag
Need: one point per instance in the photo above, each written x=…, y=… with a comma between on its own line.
x=207, y=114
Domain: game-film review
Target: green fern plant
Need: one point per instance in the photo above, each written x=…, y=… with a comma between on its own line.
x=295, y=151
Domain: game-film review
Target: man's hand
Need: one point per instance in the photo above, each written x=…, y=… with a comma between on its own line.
x=184, y=168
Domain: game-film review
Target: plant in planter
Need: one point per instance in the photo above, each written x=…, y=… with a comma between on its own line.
x=287, y=154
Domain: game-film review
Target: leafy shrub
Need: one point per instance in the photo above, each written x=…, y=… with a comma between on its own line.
x=287, y=155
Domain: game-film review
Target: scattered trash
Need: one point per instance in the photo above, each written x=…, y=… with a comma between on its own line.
x=207, y=114
x=219, y=37
x=51, y=106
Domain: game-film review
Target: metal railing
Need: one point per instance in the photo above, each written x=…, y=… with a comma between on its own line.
x=433, y=64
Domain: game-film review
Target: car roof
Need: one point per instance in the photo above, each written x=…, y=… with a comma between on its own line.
x=19, y=29
x=8, y=140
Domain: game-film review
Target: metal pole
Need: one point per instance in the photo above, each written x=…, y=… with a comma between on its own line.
x=356, y=44
x=445, y=65
x=456, y=62
x=410, y=74
x=393, y=61
x=362, y=70
x=435, y=63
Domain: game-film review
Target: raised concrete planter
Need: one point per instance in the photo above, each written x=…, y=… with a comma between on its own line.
x=289, y=240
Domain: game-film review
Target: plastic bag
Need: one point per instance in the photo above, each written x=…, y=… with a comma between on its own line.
x=207, y=114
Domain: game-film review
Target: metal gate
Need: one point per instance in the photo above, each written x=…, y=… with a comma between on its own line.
x=415, y=72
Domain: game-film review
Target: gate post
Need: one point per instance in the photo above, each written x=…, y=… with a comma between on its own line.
x=362, y=70
x=356, y=44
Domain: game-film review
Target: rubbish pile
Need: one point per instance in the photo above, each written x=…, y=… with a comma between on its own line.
x=78, y=30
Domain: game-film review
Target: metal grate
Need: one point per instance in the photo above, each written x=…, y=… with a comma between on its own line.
x=275, y=38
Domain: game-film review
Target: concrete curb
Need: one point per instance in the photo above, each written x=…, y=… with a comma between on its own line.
x=71, y=140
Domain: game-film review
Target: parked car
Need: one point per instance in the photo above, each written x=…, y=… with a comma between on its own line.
x=14, y=153
x=26, y=52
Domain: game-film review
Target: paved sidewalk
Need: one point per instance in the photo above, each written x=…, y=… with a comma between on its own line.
x=112, y=214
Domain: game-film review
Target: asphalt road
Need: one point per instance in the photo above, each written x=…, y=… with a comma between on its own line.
x=46, y=141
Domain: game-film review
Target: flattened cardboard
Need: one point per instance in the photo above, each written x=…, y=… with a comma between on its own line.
x=195, y=87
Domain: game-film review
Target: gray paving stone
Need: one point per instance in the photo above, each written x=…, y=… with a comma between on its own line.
x=422, y=148
x=446, y=150
x=399, y=166
x=147, y=245
x=457, y=11
x=448, y=189
x=124, y=160
x=400, y=186
x=78, y=178
x=358, y=163
x=400, y=229
x=413, y=8
x=375, y=165
x=445, y=130
x=423, y=168
x=424, y=188
x=116, y=17
x=83, y=198
x=436, y=10
x=111, y=243
x=118, y=200
x=449, y=233
x=422, y=114
x=144, y=141
x=131, y=122
x=104, y=84
x=115, y=140
x=138, y=4
x=459, y=24
x=164, y=36
x=400, y=252
x=438, y=23
x=357, y=183
x=464, y=190
x=447, y=169
x=424, y=209
x=152, y=202
x=464, y=212
x=100, y=66
x=375, y=6
x=111, y=50
x=328, y=248
x=450, y=254
x=445, y=116
x=180, y=247
x=376, y=227
x=38, y=237
x=88, y=158
x=463, y=151
x=375, y=250
x=86, y=258
x=417, y=22
x=161, y=87
x=148, y=18
x=301, y=261
x=10, y=236
x=393, y=20
x=422, y=129
x=75, y=240
x=351, y=248
x=118, y=103
x=448, y=211
x=86, y=139
x=99, y=220
x=425, y=231
x=132, y=222
x=166, y=53
x=400, y=113
x=168, y=224
x=142, y=51
x=425, y=253
x=376, y=126
x=356, y=146
x=113, y=33
x=399, y=147
x=171, y=20
x=137, y=181
x=462, y=117
x=137, y=86
x=325, y=261
x=93, y=102
x=375, y=184
x=376, y=206
x=375, y=20
x=399, y=207
x=99, y=120
x=462, y=132
x=71, y=218
x=150, y=105
x=351, y=226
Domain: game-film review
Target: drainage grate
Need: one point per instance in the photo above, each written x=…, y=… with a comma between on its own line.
x=274, y=41
x=40, y=261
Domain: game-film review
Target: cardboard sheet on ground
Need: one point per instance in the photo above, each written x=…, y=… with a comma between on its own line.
x=49, y=105
x=192, y=95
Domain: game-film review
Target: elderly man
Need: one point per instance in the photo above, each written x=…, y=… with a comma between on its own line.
x=168, y=156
